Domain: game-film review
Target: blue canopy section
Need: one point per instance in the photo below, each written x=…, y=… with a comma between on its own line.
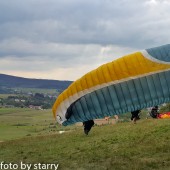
x=123, y=97
x=160, y=53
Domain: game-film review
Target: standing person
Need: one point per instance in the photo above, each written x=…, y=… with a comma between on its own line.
x=87, y=126
x=154, y=112
x=135, y=115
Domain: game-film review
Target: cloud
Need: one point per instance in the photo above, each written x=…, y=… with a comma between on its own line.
x=62, y=36
x=22, y=56
x=78, y=22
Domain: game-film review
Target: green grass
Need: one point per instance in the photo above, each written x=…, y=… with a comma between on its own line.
x=6, y=95
x=123, y=146
x=20, y=122
x=36, y=90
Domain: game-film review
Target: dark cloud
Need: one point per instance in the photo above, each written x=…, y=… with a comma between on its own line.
x=76, y=31
x=84, y=22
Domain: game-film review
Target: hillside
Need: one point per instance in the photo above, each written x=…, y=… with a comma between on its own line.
x=123, y=146
x=19, y=82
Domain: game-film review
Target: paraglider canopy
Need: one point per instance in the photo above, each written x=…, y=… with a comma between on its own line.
x=130, y=83
x=164, y=115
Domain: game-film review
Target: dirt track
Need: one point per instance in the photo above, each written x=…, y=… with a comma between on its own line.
x=101, y=122
x=105, y=121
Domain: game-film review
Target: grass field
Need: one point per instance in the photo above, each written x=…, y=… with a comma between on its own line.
x=123, y=146
x=36, y=90
x=20, y=122
x=6, y=95
x=31, y=137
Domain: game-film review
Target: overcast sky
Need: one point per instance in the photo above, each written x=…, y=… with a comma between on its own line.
x=64, y=39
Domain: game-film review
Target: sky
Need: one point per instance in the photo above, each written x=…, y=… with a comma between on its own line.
x=65, y=39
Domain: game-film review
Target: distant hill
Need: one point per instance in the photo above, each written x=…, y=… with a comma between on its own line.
x=9, y=81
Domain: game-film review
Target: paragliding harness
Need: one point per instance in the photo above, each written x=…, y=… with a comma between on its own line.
x=135, y=114
x=154, y=112
x=87, y=126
